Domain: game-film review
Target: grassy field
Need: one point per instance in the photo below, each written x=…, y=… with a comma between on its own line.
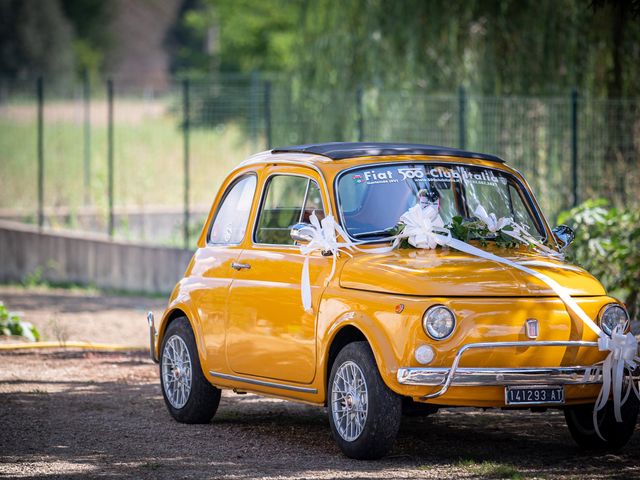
x=148, y=155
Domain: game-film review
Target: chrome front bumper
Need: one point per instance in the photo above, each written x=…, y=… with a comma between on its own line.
x=465, y=376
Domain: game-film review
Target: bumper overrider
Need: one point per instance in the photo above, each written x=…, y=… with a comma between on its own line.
x=475, y=377
x=153, y=335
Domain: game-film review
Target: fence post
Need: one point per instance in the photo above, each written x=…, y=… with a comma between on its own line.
x=185, y=133
x=253, y=109
x=40, y=151
x=574, y=146
x=360, y=114
x=462, y=120
x=267, y=112
x=110, y=154
x=86, y=95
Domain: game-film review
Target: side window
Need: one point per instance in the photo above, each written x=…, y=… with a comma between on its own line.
x=288, y=200
x=231, y=220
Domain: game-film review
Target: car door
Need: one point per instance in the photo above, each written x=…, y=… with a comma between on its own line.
x=269, y=334
x=212, y=270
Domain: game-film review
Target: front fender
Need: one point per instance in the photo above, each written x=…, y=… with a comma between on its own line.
x=180, y=305
x=386, y=331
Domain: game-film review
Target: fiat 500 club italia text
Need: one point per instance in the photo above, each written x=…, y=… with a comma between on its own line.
x=374, y=279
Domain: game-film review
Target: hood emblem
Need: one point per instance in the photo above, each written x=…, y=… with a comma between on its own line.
x=531, y=328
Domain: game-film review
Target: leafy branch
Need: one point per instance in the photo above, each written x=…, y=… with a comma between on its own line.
x=12, y=324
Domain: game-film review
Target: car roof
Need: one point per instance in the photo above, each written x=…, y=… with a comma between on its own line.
x=344, y=150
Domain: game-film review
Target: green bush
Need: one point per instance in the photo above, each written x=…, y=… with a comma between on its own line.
x=607, y=244
x=12, y=324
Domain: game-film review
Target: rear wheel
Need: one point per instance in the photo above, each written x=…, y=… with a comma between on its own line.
x=616, y=434
x=363, y=412
x=189, y=397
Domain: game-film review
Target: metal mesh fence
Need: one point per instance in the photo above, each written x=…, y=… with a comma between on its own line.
x=126, y=173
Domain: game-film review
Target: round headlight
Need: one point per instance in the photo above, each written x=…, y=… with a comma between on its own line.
x=438, y=322
x=611, y=316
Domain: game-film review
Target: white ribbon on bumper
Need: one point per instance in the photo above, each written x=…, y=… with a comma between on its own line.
x=623, y=347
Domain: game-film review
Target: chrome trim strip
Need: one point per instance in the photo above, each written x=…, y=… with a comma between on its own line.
x=263, y=383
x=263, y=196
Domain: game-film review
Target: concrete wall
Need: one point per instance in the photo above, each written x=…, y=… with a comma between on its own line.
x=150, y=224
x=88, y=259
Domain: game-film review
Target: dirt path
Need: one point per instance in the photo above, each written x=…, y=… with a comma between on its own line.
x=79, y=414
x=72, y=414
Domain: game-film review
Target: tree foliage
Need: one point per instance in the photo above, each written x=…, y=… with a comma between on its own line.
x=491, y=46
x=607, y=244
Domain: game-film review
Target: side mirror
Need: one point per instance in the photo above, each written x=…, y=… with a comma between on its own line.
x=301, y=233
x=564, y=235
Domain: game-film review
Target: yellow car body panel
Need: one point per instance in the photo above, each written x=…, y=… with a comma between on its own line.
x=254, y=335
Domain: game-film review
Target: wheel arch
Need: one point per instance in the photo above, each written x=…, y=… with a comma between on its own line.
x=172, y=314
x=359, y=329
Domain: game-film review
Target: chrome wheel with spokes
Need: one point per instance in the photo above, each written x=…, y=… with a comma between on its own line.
x=176, y=371
x=349, y=401
x=364, y=413
x=189, y=396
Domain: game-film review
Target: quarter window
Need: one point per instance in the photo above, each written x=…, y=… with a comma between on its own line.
x=288, y=200
x=231, y=220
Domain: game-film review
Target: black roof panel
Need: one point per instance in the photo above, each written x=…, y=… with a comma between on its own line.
x=342, y=150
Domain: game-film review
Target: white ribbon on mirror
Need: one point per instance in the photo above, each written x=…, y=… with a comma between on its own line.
x=324, y=239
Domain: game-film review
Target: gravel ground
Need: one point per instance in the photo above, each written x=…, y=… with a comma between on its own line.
x=82, y=414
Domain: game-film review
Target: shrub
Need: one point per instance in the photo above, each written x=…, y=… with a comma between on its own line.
x=607, y=244
x=12, y=324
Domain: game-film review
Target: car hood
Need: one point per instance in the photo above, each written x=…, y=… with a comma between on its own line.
x=445, y=272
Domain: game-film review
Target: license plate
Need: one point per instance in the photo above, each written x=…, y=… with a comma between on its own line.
x=534, y=395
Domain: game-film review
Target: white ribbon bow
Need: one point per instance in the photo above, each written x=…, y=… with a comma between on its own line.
x=423, y=227
x=324, y=238
x=516, y=231
x=493, y=224
x=623, y=356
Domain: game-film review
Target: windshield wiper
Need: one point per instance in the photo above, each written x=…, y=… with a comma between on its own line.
x=377, y=233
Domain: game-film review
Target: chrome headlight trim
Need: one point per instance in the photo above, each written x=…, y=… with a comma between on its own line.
x=428, y=318
x=604, y=310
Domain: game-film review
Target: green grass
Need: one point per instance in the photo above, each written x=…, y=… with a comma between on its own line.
x=486, y=469
x=148, y=156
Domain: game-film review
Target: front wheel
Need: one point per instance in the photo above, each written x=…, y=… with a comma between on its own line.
x=363, y=412
x=189, y=397
x=616, y=434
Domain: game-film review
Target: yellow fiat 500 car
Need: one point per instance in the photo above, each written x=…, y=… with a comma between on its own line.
x=386, y=331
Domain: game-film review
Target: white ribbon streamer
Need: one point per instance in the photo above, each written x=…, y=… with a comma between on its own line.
x=424, y=228
x=623, y=347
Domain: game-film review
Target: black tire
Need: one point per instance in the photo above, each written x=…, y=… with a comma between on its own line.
x=580, y=422
x=384, y=408
x=203, y=398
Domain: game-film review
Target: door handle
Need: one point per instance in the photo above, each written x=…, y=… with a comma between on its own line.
x=240, y=266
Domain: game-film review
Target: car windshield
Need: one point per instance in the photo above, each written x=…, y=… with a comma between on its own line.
x=373, y=198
